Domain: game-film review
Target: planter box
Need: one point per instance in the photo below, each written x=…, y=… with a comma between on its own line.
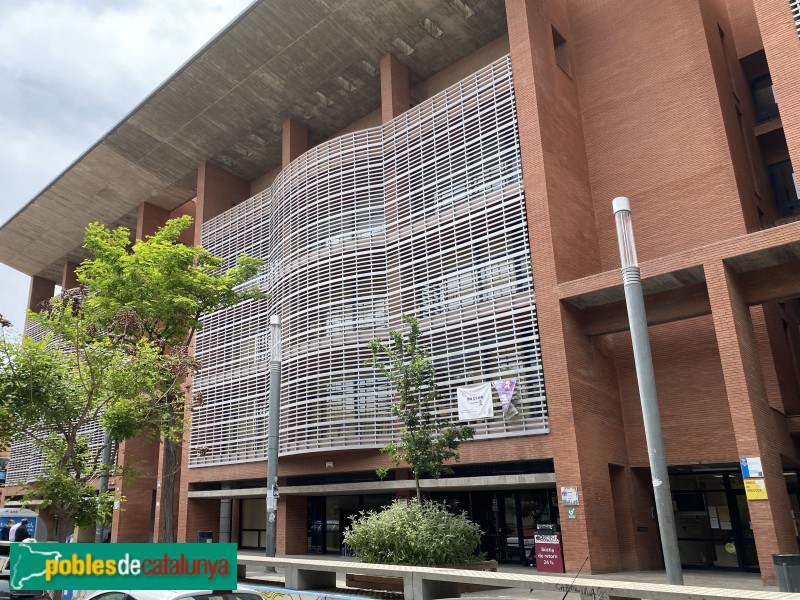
x=395, y=584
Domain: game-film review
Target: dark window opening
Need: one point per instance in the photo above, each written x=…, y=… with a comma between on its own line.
x=561, y=51
x=764, y=101
x=784, y=186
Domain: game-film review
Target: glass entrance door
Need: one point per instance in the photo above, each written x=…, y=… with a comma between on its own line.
x=507, y=518
x=712, y=519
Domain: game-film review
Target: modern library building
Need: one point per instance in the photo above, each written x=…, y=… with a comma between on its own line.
x=456, y=160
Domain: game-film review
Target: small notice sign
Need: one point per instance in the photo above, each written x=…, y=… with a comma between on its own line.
x=755, y=489
x=549, y=556
x=569, y=495
x=751, y=466
x=571, y=514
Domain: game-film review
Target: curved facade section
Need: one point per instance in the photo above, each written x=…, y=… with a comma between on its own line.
x=424, y=215
x=328, y=284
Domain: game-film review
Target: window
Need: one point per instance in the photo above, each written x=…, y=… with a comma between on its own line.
x=764, y=101
x=561, y=50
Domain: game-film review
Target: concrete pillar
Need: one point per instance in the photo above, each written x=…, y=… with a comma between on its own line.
x=752, y=417
x=637, y=528
x=41, y=290
x=150, y=218
x=184, y=506
x=395, y=97
x=217, y=191
x=187, y=208
x=225, y=516
x=69, y=279
x=295, y=141
x=292, y=525
x=198, y=514
x=580, y=375
x=134, y=523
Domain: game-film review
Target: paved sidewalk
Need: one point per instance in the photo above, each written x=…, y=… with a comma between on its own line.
x=712, y=579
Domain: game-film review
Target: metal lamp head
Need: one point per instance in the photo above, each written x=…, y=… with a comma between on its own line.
x=627, y=248
x=275, y=338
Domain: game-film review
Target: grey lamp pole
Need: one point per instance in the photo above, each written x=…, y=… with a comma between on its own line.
x=272, y=436
x=100, y=528
x=634, y=298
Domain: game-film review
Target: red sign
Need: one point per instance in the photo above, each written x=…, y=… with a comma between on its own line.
x=549, y=557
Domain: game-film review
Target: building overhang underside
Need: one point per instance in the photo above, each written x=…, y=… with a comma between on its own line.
x=316, y=63
x=765, y=265
x=494, y=482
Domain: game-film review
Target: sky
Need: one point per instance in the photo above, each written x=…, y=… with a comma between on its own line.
x=69, y=71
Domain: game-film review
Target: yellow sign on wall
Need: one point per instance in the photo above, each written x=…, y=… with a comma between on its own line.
x=755, y=489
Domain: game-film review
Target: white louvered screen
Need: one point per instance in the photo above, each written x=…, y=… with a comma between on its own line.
x=25, y=462
x=424, y=215
x=794, y=6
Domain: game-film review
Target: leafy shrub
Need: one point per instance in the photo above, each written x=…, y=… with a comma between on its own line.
x=425, y=534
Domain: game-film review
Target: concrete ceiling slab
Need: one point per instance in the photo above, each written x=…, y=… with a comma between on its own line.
x=281, y=58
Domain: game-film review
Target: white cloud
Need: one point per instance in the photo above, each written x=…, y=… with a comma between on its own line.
x=69, y=71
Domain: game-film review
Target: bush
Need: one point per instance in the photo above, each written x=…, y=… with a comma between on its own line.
x=424, y=534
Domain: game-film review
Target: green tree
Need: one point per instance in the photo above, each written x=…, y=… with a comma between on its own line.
x=55, y=391
x=116, y=353
x=426, y=441
x=158, y=290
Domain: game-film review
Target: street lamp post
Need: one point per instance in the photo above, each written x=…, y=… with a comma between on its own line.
x=99, y=529
x=272, y=436
x=634, y=299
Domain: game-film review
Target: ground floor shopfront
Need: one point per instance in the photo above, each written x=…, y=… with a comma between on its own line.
x=710, y=507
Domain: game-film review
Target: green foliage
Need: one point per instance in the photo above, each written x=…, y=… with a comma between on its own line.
x=116, y=353
x=166, y=284
x=53, y=390
x=414, y=534
x=426, y=441
x=158, y=290
x=63, y=492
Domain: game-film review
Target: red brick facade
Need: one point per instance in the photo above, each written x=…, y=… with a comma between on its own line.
x=613, y=97
x=592, y=127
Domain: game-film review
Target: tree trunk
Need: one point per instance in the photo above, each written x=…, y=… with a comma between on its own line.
x=63, y=529
x=64, y=525
x=168, y=491
x=419, y=491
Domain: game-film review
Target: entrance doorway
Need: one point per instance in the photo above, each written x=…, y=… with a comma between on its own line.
x=712, y=519
x=328, y=517
x=508, y=519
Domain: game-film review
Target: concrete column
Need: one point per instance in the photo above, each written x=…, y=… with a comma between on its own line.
x=225, y=516
x=637, y=528
x=69, y=279
x=182, y=522
x=150, y=218
x=395, y=97
x=217, y=191
x=587, y=432
x=187, y=208
x=295, y=141
x=292, y=525
x=41, y=290
x=133, y=523
x=753, y=419
x=198, y=514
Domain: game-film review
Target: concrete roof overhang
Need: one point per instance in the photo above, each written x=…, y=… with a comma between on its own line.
x=766, y=264
x=312, y=60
